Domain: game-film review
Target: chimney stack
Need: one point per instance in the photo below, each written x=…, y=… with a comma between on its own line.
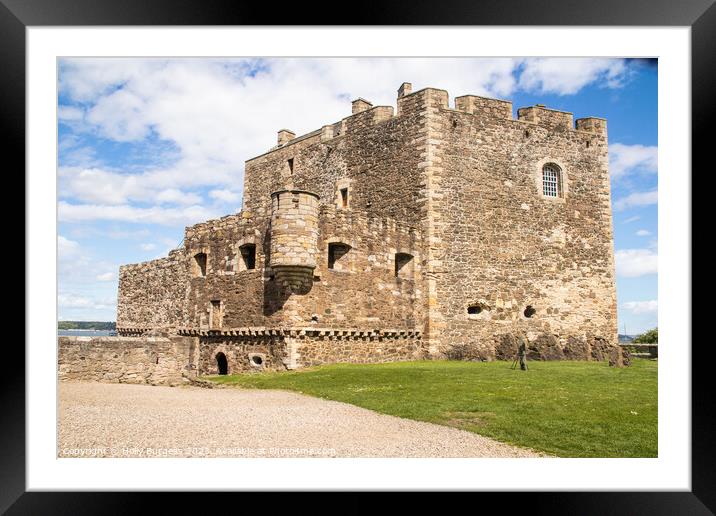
x=285, y=136
x=359, y=105
x=405, y=89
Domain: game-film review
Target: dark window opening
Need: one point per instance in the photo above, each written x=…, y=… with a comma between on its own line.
x=248, y=255
x=257, y=360
x=290, y=165
x=344, y=197
x=200, y=259
x=335, y=253
x=527, y=134
x=222, y=364
x=474, y=310
x=529, y=311
x=403, y=265
x=588, y=143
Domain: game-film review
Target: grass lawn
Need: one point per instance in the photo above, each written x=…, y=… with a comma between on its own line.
x=568, y=409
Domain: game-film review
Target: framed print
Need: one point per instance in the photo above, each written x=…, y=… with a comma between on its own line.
x=411, y=253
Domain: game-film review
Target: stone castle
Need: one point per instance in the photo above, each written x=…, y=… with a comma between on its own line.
x=424, y=232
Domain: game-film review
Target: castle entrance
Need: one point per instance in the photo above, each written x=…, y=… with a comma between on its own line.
x=221, y=363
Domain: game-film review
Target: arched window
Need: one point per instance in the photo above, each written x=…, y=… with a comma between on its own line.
x=551, y=180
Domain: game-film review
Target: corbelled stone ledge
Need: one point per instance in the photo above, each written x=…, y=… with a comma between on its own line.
x=260, y=331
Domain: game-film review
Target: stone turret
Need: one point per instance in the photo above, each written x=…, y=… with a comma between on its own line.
x=294, y=238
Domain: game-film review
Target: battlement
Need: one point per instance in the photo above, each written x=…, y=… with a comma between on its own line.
x=483, y=106
x=363, y=113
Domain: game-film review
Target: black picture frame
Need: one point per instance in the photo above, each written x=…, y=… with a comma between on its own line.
x=17, y=15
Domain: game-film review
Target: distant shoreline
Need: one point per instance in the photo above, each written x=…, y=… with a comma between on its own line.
x=87, y=325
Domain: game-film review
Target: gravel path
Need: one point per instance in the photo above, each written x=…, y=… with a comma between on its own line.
x=121, y=420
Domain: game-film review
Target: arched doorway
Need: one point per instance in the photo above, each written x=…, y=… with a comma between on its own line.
x=221, y=363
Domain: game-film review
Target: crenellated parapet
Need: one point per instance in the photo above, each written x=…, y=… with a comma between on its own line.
x=592, y=125
x=483, y=106
x=550, y=118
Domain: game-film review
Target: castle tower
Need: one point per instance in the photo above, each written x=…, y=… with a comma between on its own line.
x=294, y=238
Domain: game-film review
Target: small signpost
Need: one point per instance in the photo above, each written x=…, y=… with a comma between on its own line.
x=521, y=357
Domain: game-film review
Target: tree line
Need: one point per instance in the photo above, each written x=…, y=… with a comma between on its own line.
x=86, y=325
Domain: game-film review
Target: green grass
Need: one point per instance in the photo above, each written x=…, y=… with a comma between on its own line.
x=568, y=409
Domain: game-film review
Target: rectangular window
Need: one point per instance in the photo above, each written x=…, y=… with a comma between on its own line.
x=403, y=266
x=344, y=197
x=248, y=256
x=335, y=252
x=200, y=265
x=290, y=165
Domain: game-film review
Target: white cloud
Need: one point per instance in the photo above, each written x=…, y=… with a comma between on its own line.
x=120, y=116
x=641, y=307
x=154, y=215
x=631, y=263
x=224, y=196
x=69, y=113
x=148, y=247
x=632, y=219
x=637, y=200
x=566, y=76
x=120, y=234
x=175, y=196
x=625, y=159
x=67, y=248
x=643, y=232
x=71, y=300
x=101, y=186
x=216, y=115
x=106, y=276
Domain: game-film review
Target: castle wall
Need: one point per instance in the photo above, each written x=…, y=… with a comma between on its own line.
x=348, y=348
x=226, y=279
x=504, y=246
x=263, y=349
x=372, y=153
x=430, y=220
x=361, y=291
x=151, y=294
x=150, y=360
x=250, y=353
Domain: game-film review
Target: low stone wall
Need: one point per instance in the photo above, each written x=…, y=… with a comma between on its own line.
x=147, y=360
x=264, y=349
x=357, y=349
x=241, y=354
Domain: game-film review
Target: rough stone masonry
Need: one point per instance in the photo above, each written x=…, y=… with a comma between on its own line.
x=427, y=232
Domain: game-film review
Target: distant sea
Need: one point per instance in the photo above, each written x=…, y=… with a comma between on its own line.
x=85, y=333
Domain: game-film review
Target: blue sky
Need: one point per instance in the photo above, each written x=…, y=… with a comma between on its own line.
x=148, y=146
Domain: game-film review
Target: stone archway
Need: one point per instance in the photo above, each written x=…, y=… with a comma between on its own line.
x=221, y=363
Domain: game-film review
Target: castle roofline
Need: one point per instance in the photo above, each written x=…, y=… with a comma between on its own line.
x=361, y=105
